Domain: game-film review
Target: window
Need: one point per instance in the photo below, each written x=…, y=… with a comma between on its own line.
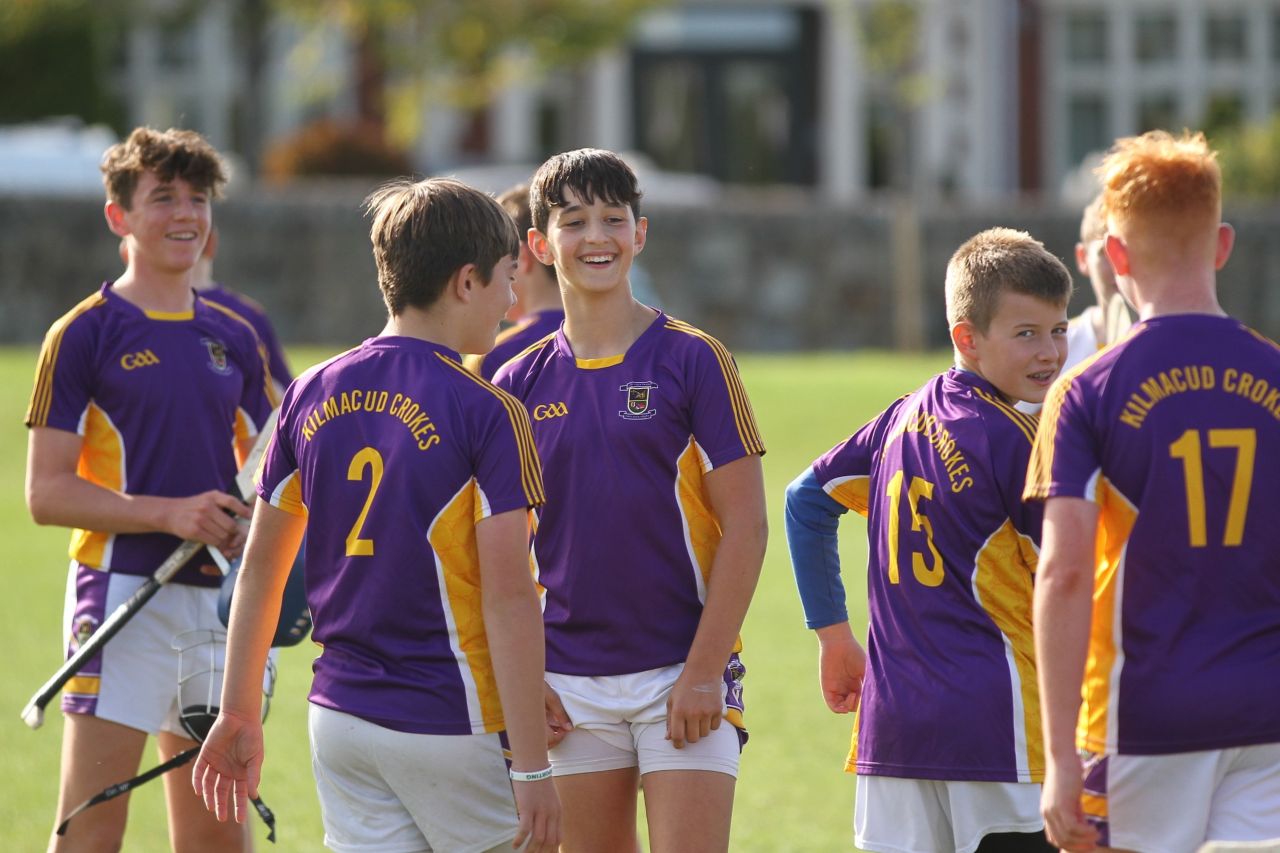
x=1155, y=37
x=1158, y=112
x=1087, y=124
x=1225, y=39
x=1086, y=36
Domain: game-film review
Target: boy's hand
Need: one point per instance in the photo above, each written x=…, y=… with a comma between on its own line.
x=538, y=809
x=210, y=518
x=842, y=665
x=1064, y=821
x=558, y=722
x=229, y=766
x=694, y=709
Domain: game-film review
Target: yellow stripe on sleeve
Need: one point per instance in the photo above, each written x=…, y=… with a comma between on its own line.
x=530, y=466
x=743, y=417
x=42, y=391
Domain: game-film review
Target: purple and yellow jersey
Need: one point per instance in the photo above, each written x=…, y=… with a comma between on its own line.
x=950, y=690
x=393, y=452
x=1175, y=433
x=159, y=399
x=511, y=342
x=624, y=546
x=257, y=317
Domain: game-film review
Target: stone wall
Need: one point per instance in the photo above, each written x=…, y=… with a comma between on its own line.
x=762, y=272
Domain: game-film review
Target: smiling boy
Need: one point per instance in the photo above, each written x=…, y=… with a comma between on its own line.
x=141, y=393
x=653, y=535
x=947, y=747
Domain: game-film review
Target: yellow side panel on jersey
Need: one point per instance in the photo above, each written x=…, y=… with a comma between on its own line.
x=1002, y=583
x=1095, y=730
x=453, y=539
x=701, y=529
x=1094, y=806
x=102, y=463
x=853, y=492
x=851, y=760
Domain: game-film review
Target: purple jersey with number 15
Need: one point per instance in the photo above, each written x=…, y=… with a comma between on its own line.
x=395, y=452
x=1175, y=433
x=950, y=691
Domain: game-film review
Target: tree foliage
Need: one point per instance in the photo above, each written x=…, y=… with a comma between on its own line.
x=1250, y=159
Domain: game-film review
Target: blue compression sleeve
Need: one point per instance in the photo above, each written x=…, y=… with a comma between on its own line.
x=812, y=519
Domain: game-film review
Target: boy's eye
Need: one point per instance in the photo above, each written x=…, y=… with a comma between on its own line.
x=1059, y=330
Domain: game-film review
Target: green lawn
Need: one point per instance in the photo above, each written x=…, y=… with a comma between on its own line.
x=792, y=793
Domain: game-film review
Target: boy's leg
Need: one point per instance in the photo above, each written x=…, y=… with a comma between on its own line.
x=95, y=753
x=598, y=810
x=688, y=810
x=192, y=827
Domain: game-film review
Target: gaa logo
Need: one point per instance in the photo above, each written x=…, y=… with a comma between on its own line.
x=146, y=358
x=547, y=411
x=638, y=406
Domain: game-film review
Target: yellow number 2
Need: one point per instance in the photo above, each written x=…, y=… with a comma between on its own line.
x=928, y=575
x=1188, y=449
x=367, y=457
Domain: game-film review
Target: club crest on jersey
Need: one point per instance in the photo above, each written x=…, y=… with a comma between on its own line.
x=83, y=629
x=638, y=405
x=217, y=356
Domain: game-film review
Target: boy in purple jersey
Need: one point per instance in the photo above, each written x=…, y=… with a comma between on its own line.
x=142, y=393
x=649, y=548
x=537, y=311
x=413, y=480
x=1157, y=614
x=947, y=743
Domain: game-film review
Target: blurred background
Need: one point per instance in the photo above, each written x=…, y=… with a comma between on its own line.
x=808, y=165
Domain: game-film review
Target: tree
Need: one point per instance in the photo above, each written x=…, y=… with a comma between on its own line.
x=1250, y=159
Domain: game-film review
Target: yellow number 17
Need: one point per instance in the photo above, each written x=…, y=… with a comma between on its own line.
x=1187, y=448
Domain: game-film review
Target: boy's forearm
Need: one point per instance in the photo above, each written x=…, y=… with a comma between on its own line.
x=513, y=624
x=735, y=572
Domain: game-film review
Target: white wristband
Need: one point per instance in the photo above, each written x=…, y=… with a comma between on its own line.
x=535, y=776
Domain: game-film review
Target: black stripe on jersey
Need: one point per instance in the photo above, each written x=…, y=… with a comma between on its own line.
x=530, y=466
x=1024, y=422
x=262, y=349
x=743, y=417
x=42, y=392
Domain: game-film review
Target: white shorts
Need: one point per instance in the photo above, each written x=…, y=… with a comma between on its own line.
x=620, y=721
x=394, y=792
x=1175, y=803
x=893, y=815
x=134, y=679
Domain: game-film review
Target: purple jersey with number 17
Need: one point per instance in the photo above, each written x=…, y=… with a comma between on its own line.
x=1175, y=433
x=950, y=690
x=395, y=452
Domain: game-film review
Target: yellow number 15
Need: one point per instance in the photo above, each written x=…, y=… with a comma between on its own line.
x=930, y=575
x=1188, y=449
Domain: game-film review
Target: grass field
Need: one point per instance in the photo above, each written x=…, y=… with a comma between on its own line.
x=792, y=794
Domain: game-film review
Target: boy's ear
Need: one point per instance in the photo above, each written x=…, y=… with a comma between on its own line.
x=1226, y=241
x=464, y=282
x=963, y=337
x=114, y=214
x=1082, y=258
x=540, y=246
x=642, y=233
x=1118, y=254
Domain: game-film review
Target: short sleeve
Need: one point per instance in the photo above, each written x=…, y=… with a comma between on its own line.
x=65, y=375
x=278, y=480
x=722, y=421
x=844, y=471
x=1066, y=454
x=507, y=469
